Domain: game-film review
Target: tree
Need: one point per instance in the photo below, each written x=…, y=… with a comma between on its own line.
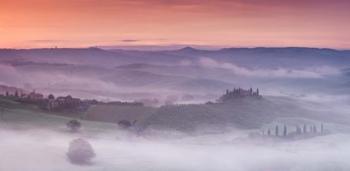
x=74, y=125
x=124, y=124
x=268, y=132
x=80, y=151
x=276, y=130
x=285, y=130
x=322, y=129
x=51, y=97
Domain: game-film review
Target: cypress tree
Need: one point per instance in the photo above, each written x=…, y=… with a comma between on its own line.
x=276, y=130
x=285, y=130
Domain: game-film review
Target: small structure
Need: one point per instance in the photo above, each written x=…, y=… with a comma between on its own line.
x=33, y=96
x=239, y=93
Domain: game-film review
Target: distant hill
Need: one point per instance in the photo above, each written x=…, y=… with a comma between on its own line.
x=241, y=56
x=242, y=113
x=246, y=113
x=203, y=74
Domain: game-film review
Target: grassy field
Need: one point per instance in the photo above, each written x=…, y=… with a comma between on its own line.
x=19, y=116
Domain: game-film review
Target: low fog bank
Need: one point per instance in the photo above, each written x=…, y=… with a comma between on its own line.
x=124, y=151
x=30, y=136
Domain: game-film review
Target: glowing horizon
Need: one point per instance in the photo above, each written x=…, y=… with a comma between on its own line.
x=237, y=23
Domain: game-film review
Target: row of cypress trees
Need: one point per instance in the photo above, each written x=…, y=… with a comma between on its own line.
x=299, y=130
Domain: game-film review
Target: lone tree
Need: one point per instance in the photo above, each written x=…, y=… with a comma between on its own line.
x=285, y=130
x=124, y=124
x=80, y=151
x=74, y=125
x=276, y=130
x=51, y=97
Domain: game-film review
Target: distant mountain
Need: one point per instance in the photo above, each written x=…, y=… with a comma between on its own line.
x=167, y=72
x=250, y=57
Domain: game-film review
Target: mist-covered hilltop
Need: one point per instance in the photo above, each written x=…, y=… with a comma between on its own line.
x=174, y=85
x=239, y=108
x=186, y=75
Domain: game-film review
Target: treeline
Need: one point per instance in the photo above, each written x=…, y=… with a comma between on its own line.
x=286, y=131
x=65, y=104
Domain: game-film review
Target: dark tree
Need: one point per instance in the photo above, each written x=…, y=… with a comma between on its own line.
x=74, y=125
x=51, y=97
x=285, y=130
x=276, y=130
x=124, y=124
x=7, y=94
x=322, y=129
x=268, y=132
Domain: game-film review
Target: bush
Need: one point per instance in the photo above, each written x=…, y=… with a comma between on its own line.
x=74, y=125
x=124, y=124
x=80, y=151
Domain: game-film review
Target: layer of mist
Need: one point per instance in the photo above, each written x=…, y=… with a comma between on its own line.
x=300, y=123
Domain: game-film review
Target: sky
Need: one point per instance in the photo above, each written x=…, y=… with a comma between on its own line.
x=236, y=23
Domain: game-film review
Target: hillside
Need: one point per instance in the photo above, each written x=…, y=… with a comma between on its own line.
x=242, y=113
x=114, y=113
x=18, y=116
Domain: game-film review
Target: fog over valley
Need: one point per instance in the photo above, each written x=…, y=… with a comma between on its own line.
x=176, y=74
x=241, y=109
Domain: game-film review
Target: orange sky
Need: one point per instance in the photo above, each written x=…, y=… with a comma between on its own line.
x=80, y=23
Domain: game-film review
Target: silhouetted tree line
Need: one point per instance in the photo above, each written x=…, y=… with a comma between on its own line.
x=305, y=129
x=66, y=104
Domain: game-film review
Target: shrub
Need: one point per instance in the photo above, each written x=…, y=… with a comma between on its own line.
x=124, y=124
x=80, y=151
x=74, y=125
